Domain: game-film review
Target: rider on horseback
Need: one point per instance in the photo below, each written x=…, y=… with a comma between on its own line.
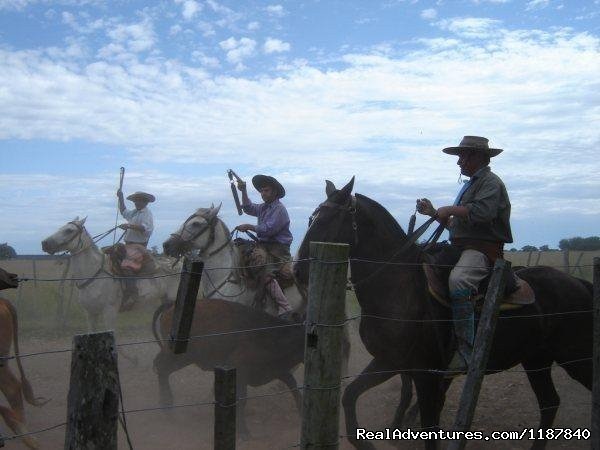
x=274, y=236
x=137, y=234
x=479, y=225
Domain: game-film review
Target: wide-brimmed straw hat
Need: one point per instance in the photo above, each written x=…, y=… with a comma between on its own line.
x=139, y=195
x=476, y=143
x=260, y=181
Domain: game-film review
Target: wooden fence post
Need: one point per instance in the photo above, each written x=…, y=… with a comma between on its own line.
x=481, y=351
x=93, y=401
x=596, y=360
x=225, y=408
x=323, y=347
x=183, y=315
x=34, y=269
x=566, y=262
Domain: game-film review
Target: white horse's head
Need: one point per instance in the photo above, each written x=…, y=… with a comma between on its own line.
x=196, y=233
x=69, y=237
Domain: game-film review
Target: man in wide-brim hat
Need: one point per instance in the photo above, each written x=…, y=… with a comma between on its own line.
x=273, y=232
x=479, y=225
x=138, y=230
x=140, y=222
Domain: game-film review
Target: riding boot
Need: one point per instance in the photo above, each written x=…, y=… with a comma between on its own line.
x=464, y=331
x=277, y=294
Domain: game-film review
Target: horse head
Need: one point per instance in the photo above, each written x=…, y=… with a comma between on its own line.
x=331, y=221
x=69, y=237
x=196, y=233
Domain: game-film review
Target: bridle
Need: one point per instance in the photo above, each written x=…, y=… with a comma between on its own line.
x=186, y=244
x=79, y=246
x=349, y=207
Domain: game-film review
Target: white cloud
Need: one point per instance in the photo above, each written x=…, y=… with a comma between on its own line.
x=471, y=27
x=276, y=46
x=380, y=116
x=276, y=10
x=477, y=2
x=537, y=4
x=190, y=8
x=238, y=50
x=253, y=26
x=428, y=14
x=136, y=37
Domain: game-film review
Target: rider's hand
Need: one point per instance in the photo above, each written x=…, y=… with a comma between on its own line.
x=119, y=193
x=124, y=226
x=444, y=213
x=241, y=186
x=425, y=207
x=245, y=227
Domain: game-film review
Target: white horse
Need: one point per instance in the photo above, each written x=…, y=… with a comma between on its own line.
x=100, y=293
x=208, y=236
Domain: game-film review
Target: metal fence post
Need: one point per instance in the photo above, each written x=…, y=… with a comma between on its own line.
x=323, y=347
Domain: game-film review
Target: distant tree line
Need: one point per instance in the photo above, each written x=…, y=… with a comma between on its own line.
x=7, y=252
x=576, y=243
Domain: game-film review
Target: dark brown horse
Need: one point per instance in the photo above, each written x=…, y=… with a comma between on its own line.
x=553, y=333
x=267, y=354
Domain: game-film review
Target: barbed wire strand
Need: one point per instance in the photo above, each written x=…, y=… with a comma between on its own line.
x=255, y=266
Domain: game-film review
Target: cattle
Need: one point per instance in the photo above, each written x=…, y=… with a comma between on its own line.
x=259, y=356
x=13, y=389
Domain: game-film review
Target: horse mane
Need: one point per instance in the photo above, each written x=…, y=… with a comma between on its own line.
x=384, y=223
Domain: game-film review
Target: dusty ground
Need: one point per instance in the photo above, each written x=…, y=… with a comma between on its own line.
x=506, y=403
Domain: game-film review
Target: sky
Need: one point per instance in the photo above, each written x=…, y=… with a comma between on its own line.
x=179, y=91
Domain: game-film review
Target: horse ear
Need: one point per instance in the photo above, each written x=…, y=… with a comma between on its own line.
x=329, y=188
x=82, y=221
x=214, y=211
x=347, y=190
x=75, y=219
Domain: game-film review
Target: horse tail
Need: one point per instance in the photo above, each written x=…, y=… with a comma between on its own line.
x=155, y=319
x=25, y=384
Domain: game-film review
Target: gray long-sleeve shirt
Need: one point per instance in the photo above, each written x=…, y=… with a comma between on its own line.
x=489, y=210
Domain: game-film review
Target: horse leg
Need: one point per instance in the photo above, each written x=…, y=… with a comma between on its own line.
x=365, y=381
x=581, y=371
x=547, y=397
x=17, y=427
x=15, y=415
x=165, y=363
x=405, y=399
x=290, y=382
x=430, y=395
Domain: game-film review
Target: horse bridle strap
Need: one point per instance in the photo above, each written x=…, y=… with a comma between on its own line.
x=349, y=207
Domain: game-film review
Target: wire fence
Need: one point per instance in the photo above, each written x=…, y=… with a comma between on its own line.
x=344, y=380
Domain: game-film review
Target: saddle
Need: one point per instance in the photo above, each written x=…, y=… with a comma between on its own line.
x=252, y=259
x=442, y=257
x=130, y=259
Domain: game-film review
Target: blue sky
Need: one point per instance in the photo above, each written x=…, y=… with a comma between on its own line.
x=178, y=91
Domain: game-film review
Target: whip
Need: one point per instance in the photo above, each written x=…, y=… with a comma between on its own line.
x=121, y=176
